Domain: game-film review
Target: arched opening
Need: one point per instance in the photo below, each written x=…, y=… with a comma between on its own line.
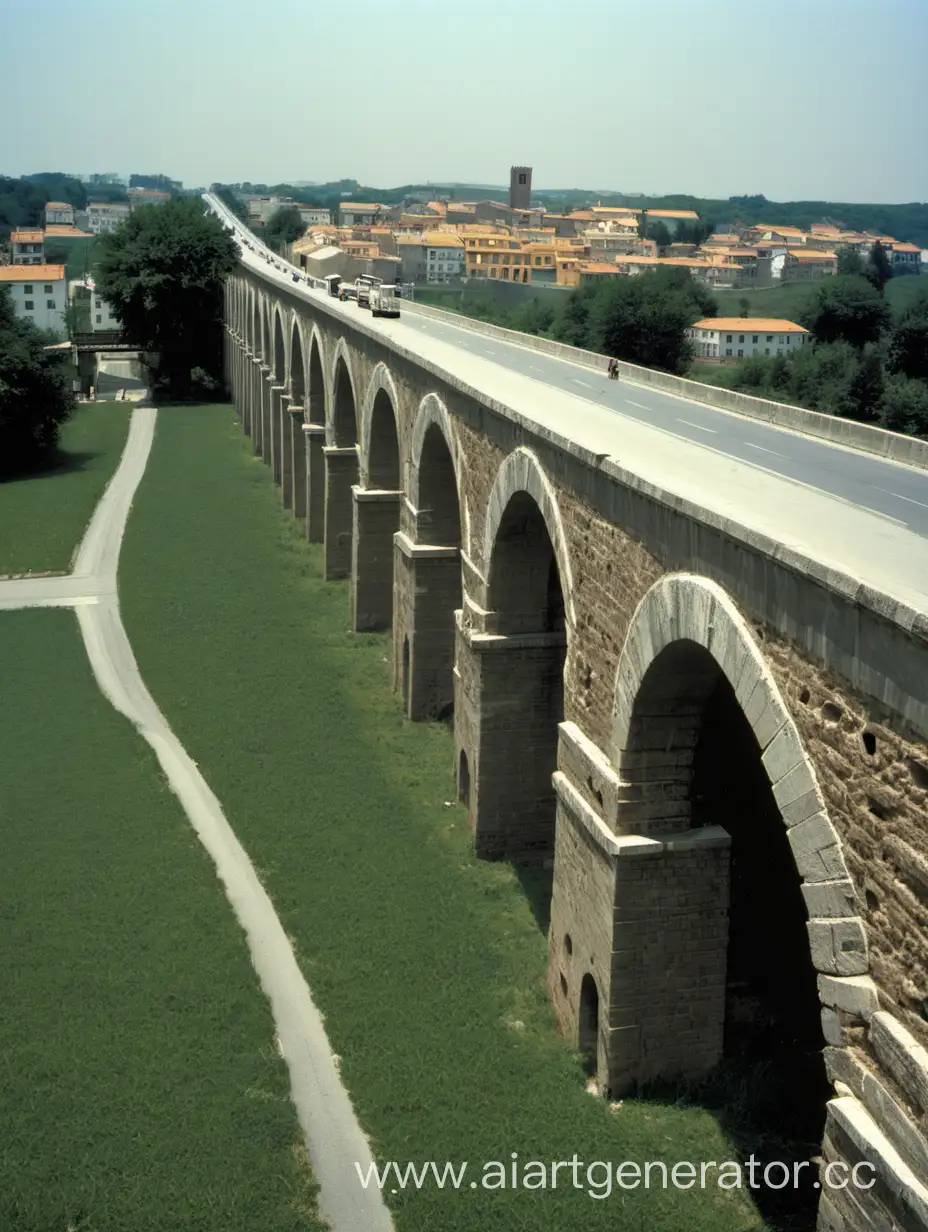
x=344, y=415
x=405, y=680
x=297, y=376
x=522, y=686
x=384, y=456
x=316, y=384
x=588, y=1025
x=769, y=1089
x=464, y=780
x=280, y=352
x=376, y=521
x=430, y=581
x=341, y=474
x=439, y=508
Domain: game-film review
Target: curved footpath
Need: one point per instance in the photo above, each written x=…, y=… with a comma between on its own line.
x=335, y=1140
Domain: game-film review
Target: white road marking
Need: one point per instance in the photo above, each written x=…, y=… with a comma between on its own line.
x=640, y=406
x=902, y=498
x=764, y=449
x=579, y=382
x=535, y=368
x=690, y=424
x=491, y=352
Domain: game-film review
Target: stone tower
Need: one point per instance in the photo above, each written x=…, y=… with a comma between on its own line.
x=520, y=188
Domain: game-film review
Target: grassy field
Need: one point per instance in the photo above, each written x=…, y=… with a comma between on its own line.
x=42, y=517
x=428, y=965
x=786, y=300
x=140, y=1088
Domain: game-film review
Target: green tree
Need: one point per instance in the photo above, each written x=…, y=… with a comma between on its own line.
x=745, y=306
x=676, y=281
x=845, y=308
x=284, y=226
x=56, y=254
x=162, y=273
x=643, y=321
x=878, y=270
x=850, y=263
x=35, y=393
x=658, y=232
x=780, y=374
x=905, y=406
x=908, y=340
x=573, y=325
x=865, y=392
x=822, y=376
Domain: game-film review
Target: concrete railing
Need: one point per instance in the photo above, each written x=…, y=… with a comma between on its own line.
x=893, y=445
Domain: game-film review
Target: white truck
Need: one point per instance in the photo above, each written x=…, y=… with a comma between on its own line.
x=384, y=301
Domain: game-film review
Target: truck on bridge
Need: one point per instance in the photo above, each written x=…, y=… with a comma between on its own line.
x=384, y=301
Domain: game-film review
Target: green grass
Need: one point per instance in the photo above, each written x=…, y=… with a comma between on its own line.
x=140, y=1089
x=44, y=516
x=786, y=300
x=427, y=963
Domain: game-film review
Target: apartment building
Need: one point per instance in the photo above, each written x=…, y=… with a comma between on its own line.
x=906, y=258
x=105, y=216
x=101, y=315
x=40, y=294
x=27, y=247
x=803, y=265
x=741, y=337
x=147, y=196
x=59, y=212
x=444, y=256
x=360, y=213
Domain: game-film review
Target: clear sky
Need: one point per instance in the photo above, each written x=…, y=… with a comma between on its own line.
x=797, y=99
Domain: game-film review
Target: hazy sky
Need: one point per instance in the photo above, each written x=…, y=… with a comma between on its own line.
x=815, y=99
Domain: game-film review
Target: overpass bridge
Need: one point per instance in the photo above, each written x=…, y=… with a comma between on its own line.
x=686, y=655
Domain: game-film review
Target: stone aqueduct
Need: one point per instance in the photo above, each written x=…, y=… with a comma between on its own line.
x=638, y=697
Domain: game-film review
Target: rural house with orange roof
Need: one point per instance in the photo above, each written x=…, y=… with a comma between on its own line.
x=742, y=337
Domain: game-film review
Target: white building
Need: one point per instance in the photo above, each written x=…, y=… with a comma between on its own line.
x=104, y=216
x=101, y=315
x=741, y=337
x=444, y=256
x=28, y=247
x=313, y=217
x=40, y=294
x=59, y=212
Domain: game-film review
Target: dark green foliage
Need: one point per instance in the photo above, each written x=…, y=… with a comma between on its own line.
x=908, y=340
x=60, y=187
x=284, y=226
x=642, y=321
x=56, y=253
x=35, y=393
x=878, y=269
x=905, y=406
x=850, y=263
x=845, y=309
x=865, y=392
x=658, y=232
x=162, y=272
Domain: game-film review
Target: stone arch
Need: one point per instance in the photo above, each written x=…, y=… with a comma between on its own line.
x=435, y=455
x=528, y=611
x=279, y=352
x=315, y=373
x=521, y=474
x=342, y=416
x=256, y=323
x=428, y=583
x=704, y=742
x=296, y=379
x=380, y=448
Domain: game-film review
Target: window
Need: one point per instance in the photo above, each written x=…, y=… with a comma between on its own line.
x=728, y=351
x=770, y=337
x=29, y=305
x=49, y=303
x=755, y=339
x=740, y=354
x=728, y=339
x=767, y=352
x=28, y=289
x=522, y=177
x=48, y=289
x=741, y=337
x=99, y=319
x=495, y=258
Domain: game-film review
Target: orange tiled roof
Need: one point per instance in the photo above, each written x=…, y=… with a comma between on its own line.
x=750, y=325
x=58, y=205
x=27, y=237
x=31, y=273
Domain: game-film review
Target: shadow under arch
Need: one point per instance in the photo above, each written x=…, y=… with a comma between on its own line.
x=702, y=738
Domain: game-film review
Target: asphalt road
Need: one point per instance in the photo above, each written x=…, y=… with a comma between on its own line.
x=890, y=489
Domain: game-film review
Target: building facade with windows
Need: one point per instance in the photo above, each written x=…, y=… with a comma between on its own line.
x=104, y=216
x=40, y=294
x=359, y=213
x=59, y=212
x=743, y=337
x=147, y=196
x=444, y=256
x=27, y=247
x=101, y=315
